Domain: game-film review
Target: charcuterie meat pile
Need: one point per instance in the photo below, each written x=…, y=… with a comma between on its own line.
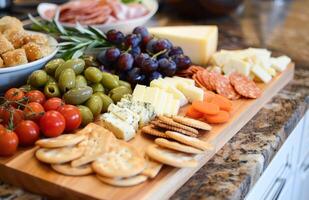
x=91, y=12
x=232, y=87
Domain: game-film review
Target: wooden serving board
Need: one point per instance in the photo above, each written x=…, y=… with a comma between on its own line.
x=25, y=171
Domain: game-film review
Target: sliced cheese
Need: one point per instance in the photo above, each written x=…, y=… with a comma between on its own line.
x=167, y=105
x=139, y=92
x=261, y=73
x=236, y=65
x=151, y=95
x=280, y=63
x=198, y=42
x=177, y=95
x=191, y=92
x=175, y=107
x=189, y=81
x=159, y=104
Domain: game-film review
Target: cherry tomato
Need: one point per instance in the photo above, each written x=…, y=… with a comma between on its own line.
x=36, y=96
x=53, y=104
x=18, y=116
x=72, y=117
x=34, y=111
x=14, y=94
x=2, y=112
x=52, y=124
x=2, y=129
x=8, y=143
x=28, y=132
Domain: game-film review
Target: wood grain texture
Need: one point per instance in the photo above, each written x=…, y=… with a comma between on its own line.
x=25, y=171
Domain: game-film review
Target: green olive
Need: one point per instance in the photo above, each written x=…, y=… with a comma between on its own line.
x=93, y=74
x=94, y=103
x=124, y=83
x=77, y=96
x=80, y=81
x=52, y=65
x=90, y=61
x=76, y=64
x=109, y=81
x=106, y=101
x=87, y=116
x=51, y=90
x=51, y=79
x=117, y=93
x=38, y=78
x=66, y=80
x=97, y=87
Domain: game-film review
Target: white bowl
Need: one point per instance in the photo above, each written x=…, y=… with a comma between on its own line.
x=16, y=76
x=125, y=26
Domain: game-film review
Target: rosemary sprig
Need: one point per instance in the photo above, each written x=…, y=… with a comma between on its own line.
x=74, y=41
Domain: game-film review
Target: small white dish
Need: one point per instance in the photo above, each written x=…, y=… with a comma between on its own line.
x=125, y=26
x=16, y=76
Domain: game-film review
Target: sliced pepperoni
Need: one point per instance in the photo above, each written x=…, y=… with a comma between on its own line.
x=206, y=80
x=245, y=86
x=212, y=80
x=194, y=77
x=224, y=87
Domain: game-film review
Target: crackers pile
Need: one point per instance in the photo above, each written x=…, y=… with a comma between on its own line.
x=177, y=142
x=95, y=150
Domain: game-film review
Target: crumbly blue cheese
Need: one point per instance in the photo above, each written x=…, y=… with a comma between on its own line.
x=120, y=128
x=125, y=114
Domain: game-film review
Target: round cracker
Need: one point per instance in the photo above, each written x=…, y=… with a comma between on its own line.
x=177, y=146
x=194, y=142
x=122, y=160
x=160, y=124
x=59, y=155
x=123, y=182
x=150, y=130
x=61, y=141
x=171, y=157
x=171, y=122
x=67, y=169
x=192, y=122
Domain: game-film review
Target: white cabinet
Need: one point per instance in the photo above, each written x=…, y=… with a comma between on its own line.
x=287, y=176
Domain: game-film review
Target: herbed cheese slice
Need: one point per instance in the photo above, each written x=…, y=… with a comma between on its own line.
x=120, y=128
x=198, y=42
x=280, y=63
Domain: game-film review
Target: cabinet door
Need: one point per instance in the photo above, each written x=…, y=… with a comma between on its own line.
x=302, y=180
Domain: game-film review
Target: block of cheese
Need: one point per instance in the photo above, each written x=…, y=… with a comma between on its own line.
x=175, y=107
x=198, y=42
x=167, y=104
x=125, y=114
x=138, y=93
x=151, y=95
x=261, y=73
x=280, y=63
x=189, y=81
x=191, y=92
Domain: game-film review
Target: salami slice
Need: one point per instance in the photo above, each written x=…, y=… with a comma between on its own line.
x=212, y=80
x=194, y=77
x=206, y=80
x=244, y=86
x=224, y=87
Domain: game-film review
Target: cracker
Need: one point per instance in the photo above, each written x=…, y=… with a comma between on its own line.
x=153, y=168
x=172, y=128
x=176, y=146
x=59, y=155
x=171, y=122
x=194, y=142
x=171, y=157
x=192, y=122
x=67, y=169
x=61, y=141
x=150, y=129
x=97, y=143
x=122, y=160
x=123, y=182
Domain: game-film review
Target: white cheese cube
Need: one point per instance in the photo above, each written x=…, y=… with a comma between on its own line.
x=139, y=92
x=189, y=81
x=261, y=73
x=280, y=63
x=159, y=104
x=151, y=95
x=125, y=114
x=175, y=107
x=238, y=66
x=167, y=105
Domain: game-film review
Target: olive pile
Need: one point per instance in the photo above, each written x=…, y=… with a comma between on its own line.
x=79, y=84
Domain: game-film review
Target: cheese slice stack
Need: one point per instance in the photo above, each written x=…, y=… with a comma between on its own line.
x=197, y=42
x=252, y=62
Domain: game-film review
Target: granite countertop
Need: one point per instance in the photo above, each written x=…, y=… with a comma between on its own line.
x=232, y=172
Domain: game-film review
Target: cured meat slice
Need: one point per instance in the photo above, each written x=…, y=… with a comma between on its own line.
x=212, y=80
x=194, y=77
x=224, y=87
x=245, y=86
x=206, y=80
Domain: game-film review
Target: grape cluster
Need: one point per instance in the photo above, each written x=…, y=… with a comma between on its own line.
x=139, y=57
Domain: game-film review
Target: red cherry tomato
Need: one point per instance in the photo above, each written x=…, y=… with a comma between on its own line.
x=36, y=96
x=52, y=124
x=8, y=143
x=72, y=117
x=18, y=116
x=14, y=94
x=53, y=104
x=34, y=111
x=2, y=128
x=28, y=132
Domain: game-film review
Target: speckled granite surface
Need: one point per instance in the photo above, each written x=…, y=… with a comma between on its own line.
x=237, y=166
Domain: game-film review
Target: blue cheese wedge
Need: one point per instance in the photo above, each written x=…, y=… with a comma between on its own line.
x=125, y=114
x=120, y=128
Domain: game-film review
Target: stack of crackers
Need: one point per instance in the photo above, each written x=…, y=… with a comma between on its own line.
x=177, y=142
x=95, y=149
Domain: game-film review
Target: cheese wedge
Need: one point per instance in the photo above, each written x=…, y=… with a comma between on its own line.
x=191, y=92
x=261, y=73
x=280, y=63
x=198, y=42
